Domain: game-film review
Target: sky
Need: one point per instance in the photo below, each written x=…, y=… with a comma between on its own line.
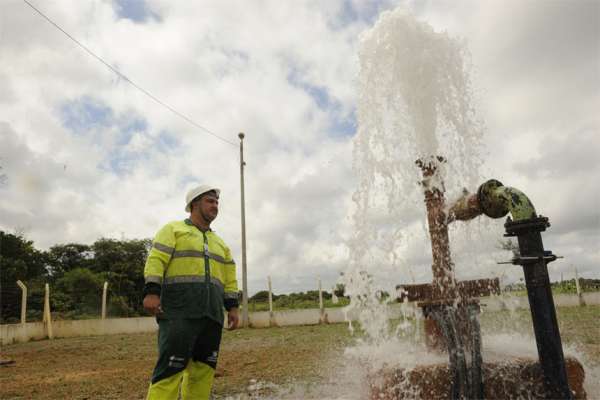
x=86, y=155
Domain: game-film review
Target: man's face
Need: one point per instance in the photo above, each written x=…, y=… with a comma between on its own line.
x=208, y=207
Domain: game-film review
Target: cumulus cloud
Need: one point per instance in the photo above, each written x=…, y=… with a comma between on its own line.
x=86, y=155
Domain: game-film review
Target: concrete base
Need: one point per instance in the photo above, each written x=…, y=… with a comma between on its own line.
x=515, y=379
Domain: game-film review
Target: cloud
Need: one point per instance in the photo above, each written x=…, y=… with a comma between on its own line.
x=87, y=155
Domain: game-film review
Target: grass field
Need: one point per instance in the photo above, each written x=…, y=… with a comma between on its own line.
x=118, y=366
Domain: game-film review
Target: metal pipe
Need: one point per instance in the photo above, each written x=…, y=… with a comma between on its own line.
x=496, y=200
x=476, y=370
x=245, y=321
x=541, y=303
x=465, y=208
x=444, y=282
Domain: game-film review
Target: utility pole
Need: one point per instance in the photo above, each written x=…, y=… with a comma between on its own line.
x=244, y=273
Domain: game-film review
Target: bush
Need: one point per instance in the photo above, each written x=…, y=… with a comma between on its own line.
x=79, y=291
x=261, y=296
x=118, y=307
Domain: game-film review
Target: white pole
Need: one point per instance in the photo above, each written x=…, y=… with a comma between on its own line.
x=244, y=274
x=23, y=301
x=104, y=291
x=47, y=314
x=320, y=295
x=322, y=310
x=579, y=294
x=270, y=295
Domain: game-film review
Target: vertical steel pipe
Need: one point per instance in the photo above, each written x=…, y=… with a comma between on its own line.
x=541, y=303
x=245, y=320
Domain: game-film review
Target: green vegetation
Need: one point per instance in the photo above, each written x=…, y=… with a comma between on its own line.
x=76, y=273
x=563, y=287
x=309, y=299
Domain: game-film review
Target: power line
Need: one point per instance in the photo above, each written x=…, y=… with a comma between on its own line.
x=125, y=78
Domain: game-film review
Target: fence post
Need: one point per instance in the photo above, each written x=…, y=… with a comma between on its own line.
x=270, y=294
x=47, y=315
x=334, y=298
x=104, y=290
x=579, y=294
x=23, y=301
x=322, y=316
x=271, y=315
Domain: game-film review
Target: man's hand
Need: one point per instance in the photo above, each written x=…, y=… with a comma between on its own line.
x=233, y=318
x=152, y=304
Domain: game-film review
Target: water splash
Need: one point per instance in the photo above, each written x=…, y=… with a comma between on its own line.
x=415, y=102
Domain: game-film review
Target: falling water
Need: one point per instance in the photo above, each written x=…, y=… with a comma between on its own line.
x=414, y=103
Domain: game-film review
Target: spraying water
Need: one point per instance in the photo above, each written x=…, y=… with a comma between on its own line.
x=414, y=103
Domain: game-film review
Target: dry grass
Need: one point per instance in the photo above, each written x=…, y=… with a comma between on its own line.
x=119, y=366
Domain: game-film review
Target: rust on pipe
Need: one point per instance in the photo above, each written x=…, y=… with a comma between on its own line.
x=465, y=208
x=444, y=283
x=471, y=288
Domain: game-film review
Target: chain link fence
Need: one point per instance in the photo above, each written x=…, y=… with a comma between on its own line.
x=81, y=301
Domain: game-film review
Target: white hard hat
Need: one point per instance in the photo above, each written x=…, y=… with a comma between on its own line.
x=197, y=191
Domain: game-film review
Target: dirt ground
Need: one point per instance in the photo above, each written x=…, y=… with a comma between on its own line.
x=119, y=366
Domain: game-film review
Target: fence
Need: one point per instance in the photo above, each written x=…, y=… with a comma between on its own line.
x=21, y=304
x=11, y=333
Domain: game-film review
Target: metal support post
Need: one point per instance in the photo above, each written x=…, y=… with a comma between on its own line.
x=245, y=322
x=322, y=318
x=533, y=258
x=578, y=287
x=270, y=295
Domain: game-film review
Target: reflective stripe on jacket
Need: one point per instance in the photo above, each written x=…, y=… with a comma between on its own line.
x=195, y=269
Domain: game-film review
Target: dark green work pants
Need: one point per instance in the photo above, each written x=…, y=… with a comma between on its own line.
x=188, y=352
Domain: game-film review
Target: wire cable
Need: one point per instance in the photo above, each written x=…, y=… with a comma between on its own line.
x=126, y=79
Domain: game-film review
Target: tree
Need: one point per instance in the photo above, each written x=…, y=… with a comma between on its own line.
x=63, y=258
x=19, y=260
x=78, y=292
x=261, y=296
x=339, y=290
x=122, y=263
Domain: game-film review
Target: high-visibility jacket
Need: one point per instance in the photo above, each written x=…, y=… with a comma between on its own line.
x=196, y=272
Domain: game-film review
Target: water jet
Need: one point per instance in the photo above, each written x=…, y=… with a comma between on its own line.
x=415, y=103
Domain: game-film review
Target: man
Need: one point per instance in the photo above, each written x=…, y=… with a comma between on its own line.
x=190, y=277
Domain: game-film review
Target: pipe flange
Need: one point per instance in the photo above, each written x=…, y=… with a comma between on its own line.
x=492, y=209
x=516, y=228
